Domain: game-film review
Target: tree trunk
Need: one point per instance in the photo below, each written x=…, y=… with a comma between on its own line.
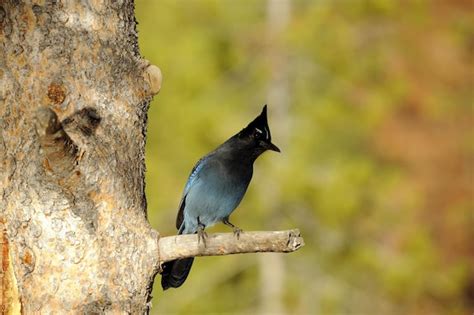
x=73, y=108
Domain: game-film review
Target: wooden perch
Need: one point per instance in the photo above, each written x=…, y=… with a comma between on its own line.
x=182, y=246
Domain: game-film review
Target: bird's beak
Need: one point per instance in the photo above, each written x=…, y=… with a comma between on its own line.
x=271, y=146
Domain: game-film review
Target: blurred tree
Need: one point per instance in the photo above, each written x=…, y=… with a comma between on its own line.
x=271, y=266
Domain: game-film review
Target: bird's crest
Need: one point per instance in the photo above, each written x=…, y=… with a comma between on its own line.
x=259, y=125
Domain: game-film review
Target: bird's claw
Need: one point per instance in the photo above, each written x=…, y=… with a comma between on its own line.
x=237, y=232
x=202, y=235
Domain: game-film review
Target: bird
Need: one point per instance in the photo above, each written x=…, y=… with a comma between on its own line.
x=214, y=189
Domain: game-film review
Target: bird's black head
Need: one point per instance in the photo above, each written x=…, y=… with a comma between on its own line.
x=256, y=136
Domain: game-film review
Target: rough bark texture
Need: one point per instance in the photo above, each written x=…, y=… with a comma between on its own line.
x=73, y=104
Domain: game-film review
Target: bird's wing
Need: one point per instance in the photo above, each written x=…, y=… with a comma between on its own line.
x=193, y=177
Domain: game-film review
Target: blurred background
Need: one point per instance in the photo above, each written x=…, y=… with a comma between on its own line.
x=371, y=104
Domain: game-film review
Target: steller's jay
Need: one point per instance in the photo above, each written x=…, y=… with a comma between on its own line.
x=215, y=188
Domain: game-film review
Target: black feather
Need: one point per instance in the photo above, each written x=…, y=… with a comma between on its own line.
x=175, y=272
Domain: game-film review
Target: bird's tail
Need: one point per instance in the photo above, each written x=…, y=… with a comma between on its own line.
x=175, y=272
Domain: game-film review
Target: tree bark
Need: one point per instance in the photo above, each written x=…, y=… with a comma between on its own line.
x=74, y=101
x=73, y=110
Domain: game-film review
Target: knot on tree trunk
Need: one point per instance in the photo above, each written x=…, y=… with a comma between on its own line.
x=62, y=146
x=58, y=150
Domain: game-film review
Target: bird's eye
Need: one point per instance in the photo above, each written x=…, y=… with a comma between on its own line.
x=257, y=133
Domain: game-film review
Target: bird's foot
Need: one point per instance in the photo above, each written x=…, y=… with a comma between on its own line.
x=236, y=229
x=237, y=232
x=202, y=235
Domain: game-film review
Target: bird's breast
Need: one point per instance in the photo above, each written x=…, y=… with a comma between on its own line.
x=216, y=195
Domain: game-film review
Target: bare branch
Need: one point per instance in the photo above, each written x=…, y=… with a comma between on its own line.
x=182, y=246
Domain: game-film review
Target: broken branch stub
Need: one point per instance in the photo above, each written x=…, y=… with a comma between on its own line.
x=183, y=246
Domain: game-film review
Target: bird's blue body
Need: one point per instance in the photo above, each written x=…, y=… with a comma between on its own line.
x=215, y=188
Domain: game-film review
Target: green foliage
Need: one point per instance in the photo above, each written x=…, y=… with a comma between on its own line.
x=376, y=143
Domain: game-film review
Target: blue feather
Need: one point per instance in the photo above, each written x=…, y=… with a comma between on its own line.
x=194, y=174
